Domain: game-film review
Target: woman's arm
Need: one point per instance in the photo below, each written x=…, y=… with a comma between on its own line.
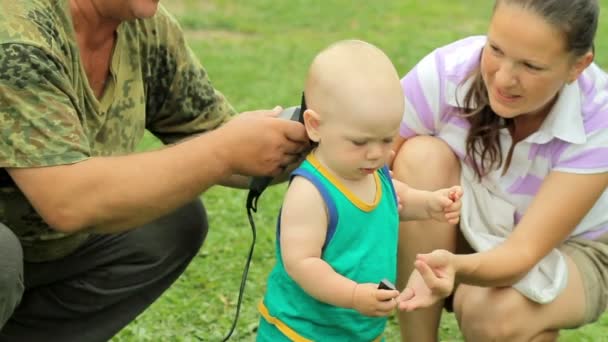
x=560, y=204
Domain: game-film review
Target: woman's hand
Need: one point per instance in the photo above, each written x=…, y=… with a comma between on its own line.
x=431, y=281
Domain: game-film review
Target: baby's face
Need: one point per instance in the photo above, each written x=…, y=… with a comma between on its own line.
x=355, y=145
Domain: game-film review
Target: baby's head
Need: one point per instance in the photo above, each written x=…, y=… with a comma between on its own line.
x=355, y=104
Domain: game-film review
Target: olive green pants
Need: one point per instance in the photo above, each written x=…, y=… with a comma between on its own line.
x=94, y=292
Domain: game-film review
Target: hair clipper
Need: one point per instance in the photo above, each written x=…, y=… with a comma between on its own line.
x=259, y=184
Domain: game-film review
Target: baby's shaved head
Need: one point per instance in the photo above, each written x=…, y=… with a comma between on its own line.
x=352, y=77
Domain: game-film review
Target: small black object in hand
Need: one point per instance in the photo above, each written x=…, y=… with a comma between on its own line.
x=385, y=284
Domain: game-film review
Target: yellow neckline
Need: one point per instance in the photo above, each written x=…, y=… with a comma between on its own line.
x=358, y=202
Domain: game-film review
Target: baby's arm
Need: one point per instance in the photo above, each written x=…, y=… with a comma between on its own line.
x=441, y=205
x=304, y=222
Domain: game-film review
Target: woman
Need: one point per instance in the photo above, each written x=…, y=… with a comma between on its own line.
x=520, y=119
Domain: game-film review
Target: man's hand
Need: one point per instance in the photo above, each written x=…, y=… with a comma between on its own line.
x=371, y=301
x=260, y=144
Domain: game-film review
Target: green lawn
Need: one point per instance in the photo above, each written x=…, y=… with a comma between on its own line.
x=257, y=53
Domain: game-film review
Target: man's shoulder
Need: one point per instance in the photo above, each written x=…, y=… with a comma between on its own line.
x=39, y=26
x=37, y=22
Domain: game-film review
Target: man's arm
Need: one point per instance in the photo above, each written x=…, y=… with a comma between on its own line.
x=111, y=194
x=243, y=182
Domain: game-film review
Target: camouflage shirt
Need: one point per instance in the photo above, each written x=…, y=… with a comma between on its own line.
x=50, y=116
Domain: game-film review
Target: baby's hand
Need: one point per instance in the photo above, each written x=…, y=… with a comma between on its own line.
x=370, y=301
x=444, y=204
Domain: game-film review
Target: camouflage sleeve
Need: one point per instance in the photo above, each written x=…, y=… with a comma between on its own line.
x=180, y=99
x=38, y=123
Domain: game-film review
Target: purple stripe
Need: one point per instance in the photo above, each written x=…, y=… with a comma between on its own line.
x=439, y=62
x=460, y=72
x=466, y=43
x=586, y=84
x=547, y=150
x=406, y=132
x=453, y=119
x=557, y=149
x=414, y=93
x=537, y=150
x=527, y=185
x=592, y=158
x=594, y=234
x=595, y=118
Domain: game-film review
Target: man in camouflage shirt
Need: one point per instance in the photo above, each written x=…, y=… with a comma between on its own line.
x=80, y=82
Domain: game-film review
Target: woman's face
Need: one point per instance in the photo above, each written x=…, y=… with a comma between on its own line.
x=524, y=63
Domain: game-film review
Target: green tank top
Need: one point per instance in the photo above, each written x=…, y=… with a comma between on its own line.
x=361, y=244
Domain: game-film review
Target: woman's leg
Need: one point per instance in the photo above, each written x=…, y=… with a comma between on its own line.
x=503, y=314
x=426, y=163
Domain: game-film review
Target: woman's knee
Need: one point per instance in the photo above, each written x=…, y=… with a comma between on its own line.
x=427, y=162
x=11, y=273
x=489, y=314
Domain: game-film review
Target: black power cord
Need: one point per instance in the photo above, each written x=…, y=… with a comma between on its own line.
x=252, y=206
x=256, y=187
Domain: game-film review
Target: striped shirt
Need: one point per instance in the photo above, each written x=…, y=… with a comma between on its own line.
x=573, y=138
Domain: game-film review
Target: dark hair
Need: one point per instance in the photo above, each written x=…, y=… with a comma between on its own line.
x=577, y=20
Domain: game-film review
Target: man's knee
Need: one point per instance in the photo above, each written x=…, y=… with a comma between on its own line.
x=176, y=237
x=191, y=226
x=11, y=273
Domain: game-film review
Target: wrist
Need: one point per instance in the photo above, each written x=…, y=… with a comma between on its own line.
x=353, y=295
x=428, y=204
x=222, y=151
x=465, y=266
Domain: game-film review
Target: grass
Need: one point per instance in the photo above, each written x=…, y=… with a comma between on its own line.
x=257, y=53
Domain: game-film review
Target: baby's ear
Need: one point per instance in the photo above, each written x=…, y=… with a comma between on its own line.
x=312, y=120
